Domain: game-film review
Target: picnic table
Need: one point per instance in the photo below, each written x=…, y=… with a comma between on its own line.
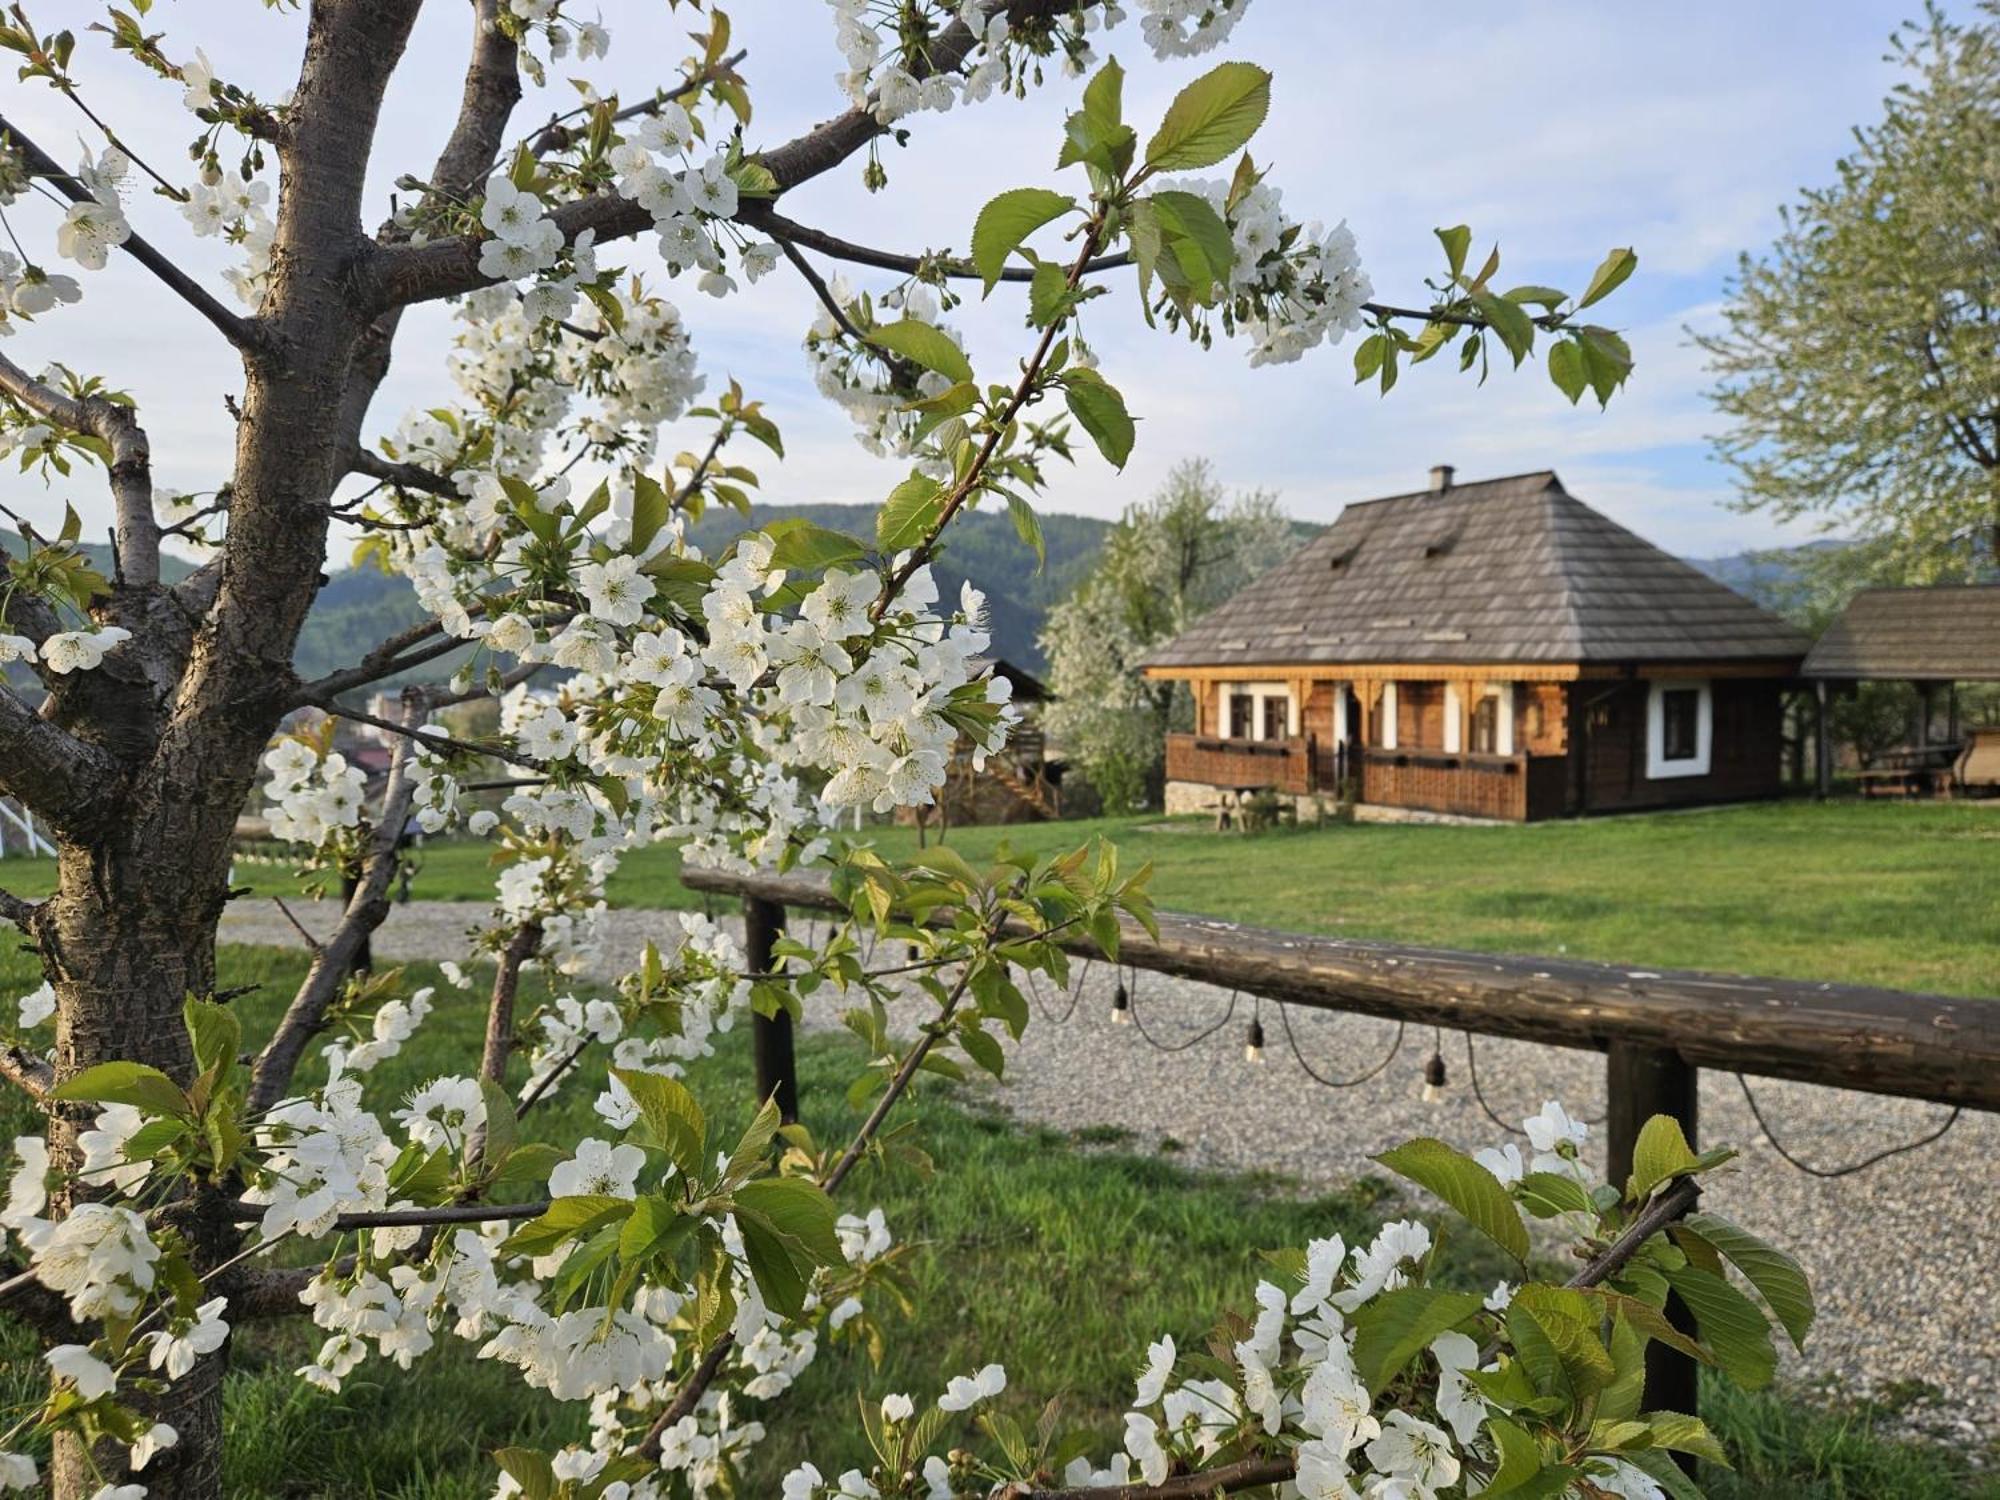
x=1910, y=771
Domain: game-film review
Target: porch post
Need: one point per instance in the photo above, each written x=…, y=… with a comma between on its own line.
x=1641, y=1082
x=1823, y=746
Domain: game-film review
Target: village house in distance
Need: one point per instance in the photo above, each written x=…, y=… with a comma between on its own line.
x=1492, y=650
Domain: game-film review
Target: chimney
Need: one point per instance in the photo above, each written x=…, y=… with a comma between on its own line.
x=1440, y=478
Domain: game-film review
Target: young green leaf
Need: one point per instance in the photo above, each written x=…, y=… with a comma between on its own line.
x=1778, y=1278
x=1466, y=1185
x=908, y=514
x=1003, y=224
x=1730, y=1324
x=1661, y=1152
x=1096, y=404
x=1390, y=1330
x=927, y=344
x=1210, y=118
x=1456, y=241
x=145, y=1089
x=1609, y=276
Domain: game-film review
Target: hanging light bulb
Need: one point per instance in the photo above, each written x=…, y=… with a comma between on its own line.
x=910, y=953
x=1434, y=1078
x=1253, y=1043
x=1121, y=1005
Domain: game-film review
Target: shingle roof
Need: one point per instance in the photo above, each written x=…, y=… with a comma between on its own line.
x=1492, y=570
x=1946, y=633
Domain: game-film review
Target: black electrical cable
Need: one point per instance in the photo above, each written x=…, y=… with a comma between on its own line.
x=1132, y=992
x=1848, y=1171
x=1479, y=1094
x=1339, y=1083
x=1075, y=995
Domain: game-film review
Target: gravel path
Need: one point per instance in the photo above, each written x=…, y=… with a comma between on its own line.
x=1901, y=1256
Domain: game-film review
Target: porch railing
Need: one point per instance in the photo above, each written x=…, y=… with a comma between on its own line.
x=1286, y=765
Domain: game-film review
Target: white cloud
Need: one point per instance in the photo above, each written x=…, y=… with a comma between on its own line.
x=1559, y=128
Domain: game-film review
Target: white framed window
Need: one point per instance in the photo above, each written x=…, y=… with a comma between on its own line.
x=1454, y=740
x=1340, y=727
x=1388, y=716
x=1259, y=711
x=1680, y=728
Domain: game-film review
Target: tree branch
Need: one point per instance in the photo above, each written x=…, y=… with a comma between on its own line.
x=69, y=781
x=20, y=912
x=408, y=1218
x=761, y=215
x=27, y=1072
x=408, y=476
x=435, y=741
x=131, y=465
x=244, y=333
x=555, y=137
x=333, y=960
x=448, y=267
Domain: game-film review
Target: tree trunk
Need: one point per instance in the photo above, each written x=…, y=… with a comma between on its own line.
x=129, y=934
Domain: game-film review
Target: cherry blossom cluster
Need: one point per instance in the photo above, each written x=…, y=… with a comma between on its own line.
x=312, y=795
x=875, y=392
x=1291, y=287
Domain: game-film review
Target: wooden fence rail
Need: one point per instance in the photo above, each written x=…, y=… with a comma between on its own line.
x=1657, y=1028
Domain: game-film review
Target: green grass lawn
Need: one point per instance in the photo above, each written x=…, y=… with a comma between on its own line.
x=1060, y=1257
x=1906, y=896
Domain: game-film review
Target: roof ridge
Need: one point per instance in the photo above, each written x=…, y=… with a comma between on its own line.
x=1455, y=486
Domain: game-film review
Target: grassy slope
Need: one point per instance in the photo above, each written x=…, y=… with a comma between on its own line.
x=1056, y=1256
x=1903, y=896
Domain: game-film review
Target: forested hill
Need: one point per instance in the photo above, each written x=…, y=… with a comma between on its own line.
x=359, y=606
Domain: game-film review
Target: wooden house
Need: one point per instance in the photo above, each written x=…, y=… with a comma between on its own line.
x=1492, y=650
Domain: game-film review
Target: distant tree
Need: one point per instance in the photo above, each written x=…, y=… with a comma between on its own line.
x=1857, y=366
x=1169, y=560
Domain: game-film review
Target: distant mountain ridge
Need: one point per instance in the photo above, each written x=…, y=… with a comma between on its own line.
x=358, y=607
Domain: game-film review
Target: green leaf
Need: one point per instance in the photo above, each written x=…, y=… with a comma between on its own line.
x=1368, y=356
x=797, y=1209
x=1607, y=360
x=1663, y=1471
x=1003, y=224
x=1546, y=1194
x=564, y=1220
x=1515, y=328
x=672, y=1115
x=1730, y=1324
x=530, y=1163
x=927, y=344
x=145, y=1089
x=1555, y=1335
x=503, y=1127
x=1096, y=404
x=1049, y=294
x=1390, y=1330
x=1520, y=1454
x=654, y=1221
x=781, y=1275
x=1198, y=239
x=801, y=544
x=1028, y=527
x=1685, y=1434
x=1778, y=1278
x=1661, y=1152
x=650, y=506
x=908, y=514
x=532, y=1471
x=1609, y=276
x=1466, y=1185
x=216, y=1032
x=1104, y=95
x=1211, y=118
x=1566, y=369
x=1456, y=241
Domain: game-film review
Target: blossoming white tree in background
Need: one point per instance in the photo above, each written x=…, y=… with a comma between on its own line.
x=676, y=1283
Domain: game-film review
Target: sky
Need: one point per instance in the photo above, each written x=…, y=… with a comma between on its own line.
x=1558, y=128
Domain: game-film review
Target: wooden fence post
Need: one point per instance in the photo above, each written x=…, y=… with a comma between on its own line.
x=1642, y=1082
x=770, y=1036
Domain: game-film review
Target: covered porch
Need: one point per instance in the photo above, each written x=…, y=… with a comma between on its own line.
x=1458, y=742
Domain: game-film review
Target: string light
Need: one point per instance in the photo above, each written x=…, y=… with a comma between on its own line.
x=1121, y=1005
x=1253, y=1043
x=1434, y=1074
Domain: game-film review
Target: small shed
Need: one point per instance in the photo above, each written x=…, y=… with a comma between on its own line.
x=1939, y=635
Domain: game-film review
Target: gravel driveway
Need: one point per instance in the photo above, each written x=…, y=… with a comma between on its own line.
x=1901, y=1256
